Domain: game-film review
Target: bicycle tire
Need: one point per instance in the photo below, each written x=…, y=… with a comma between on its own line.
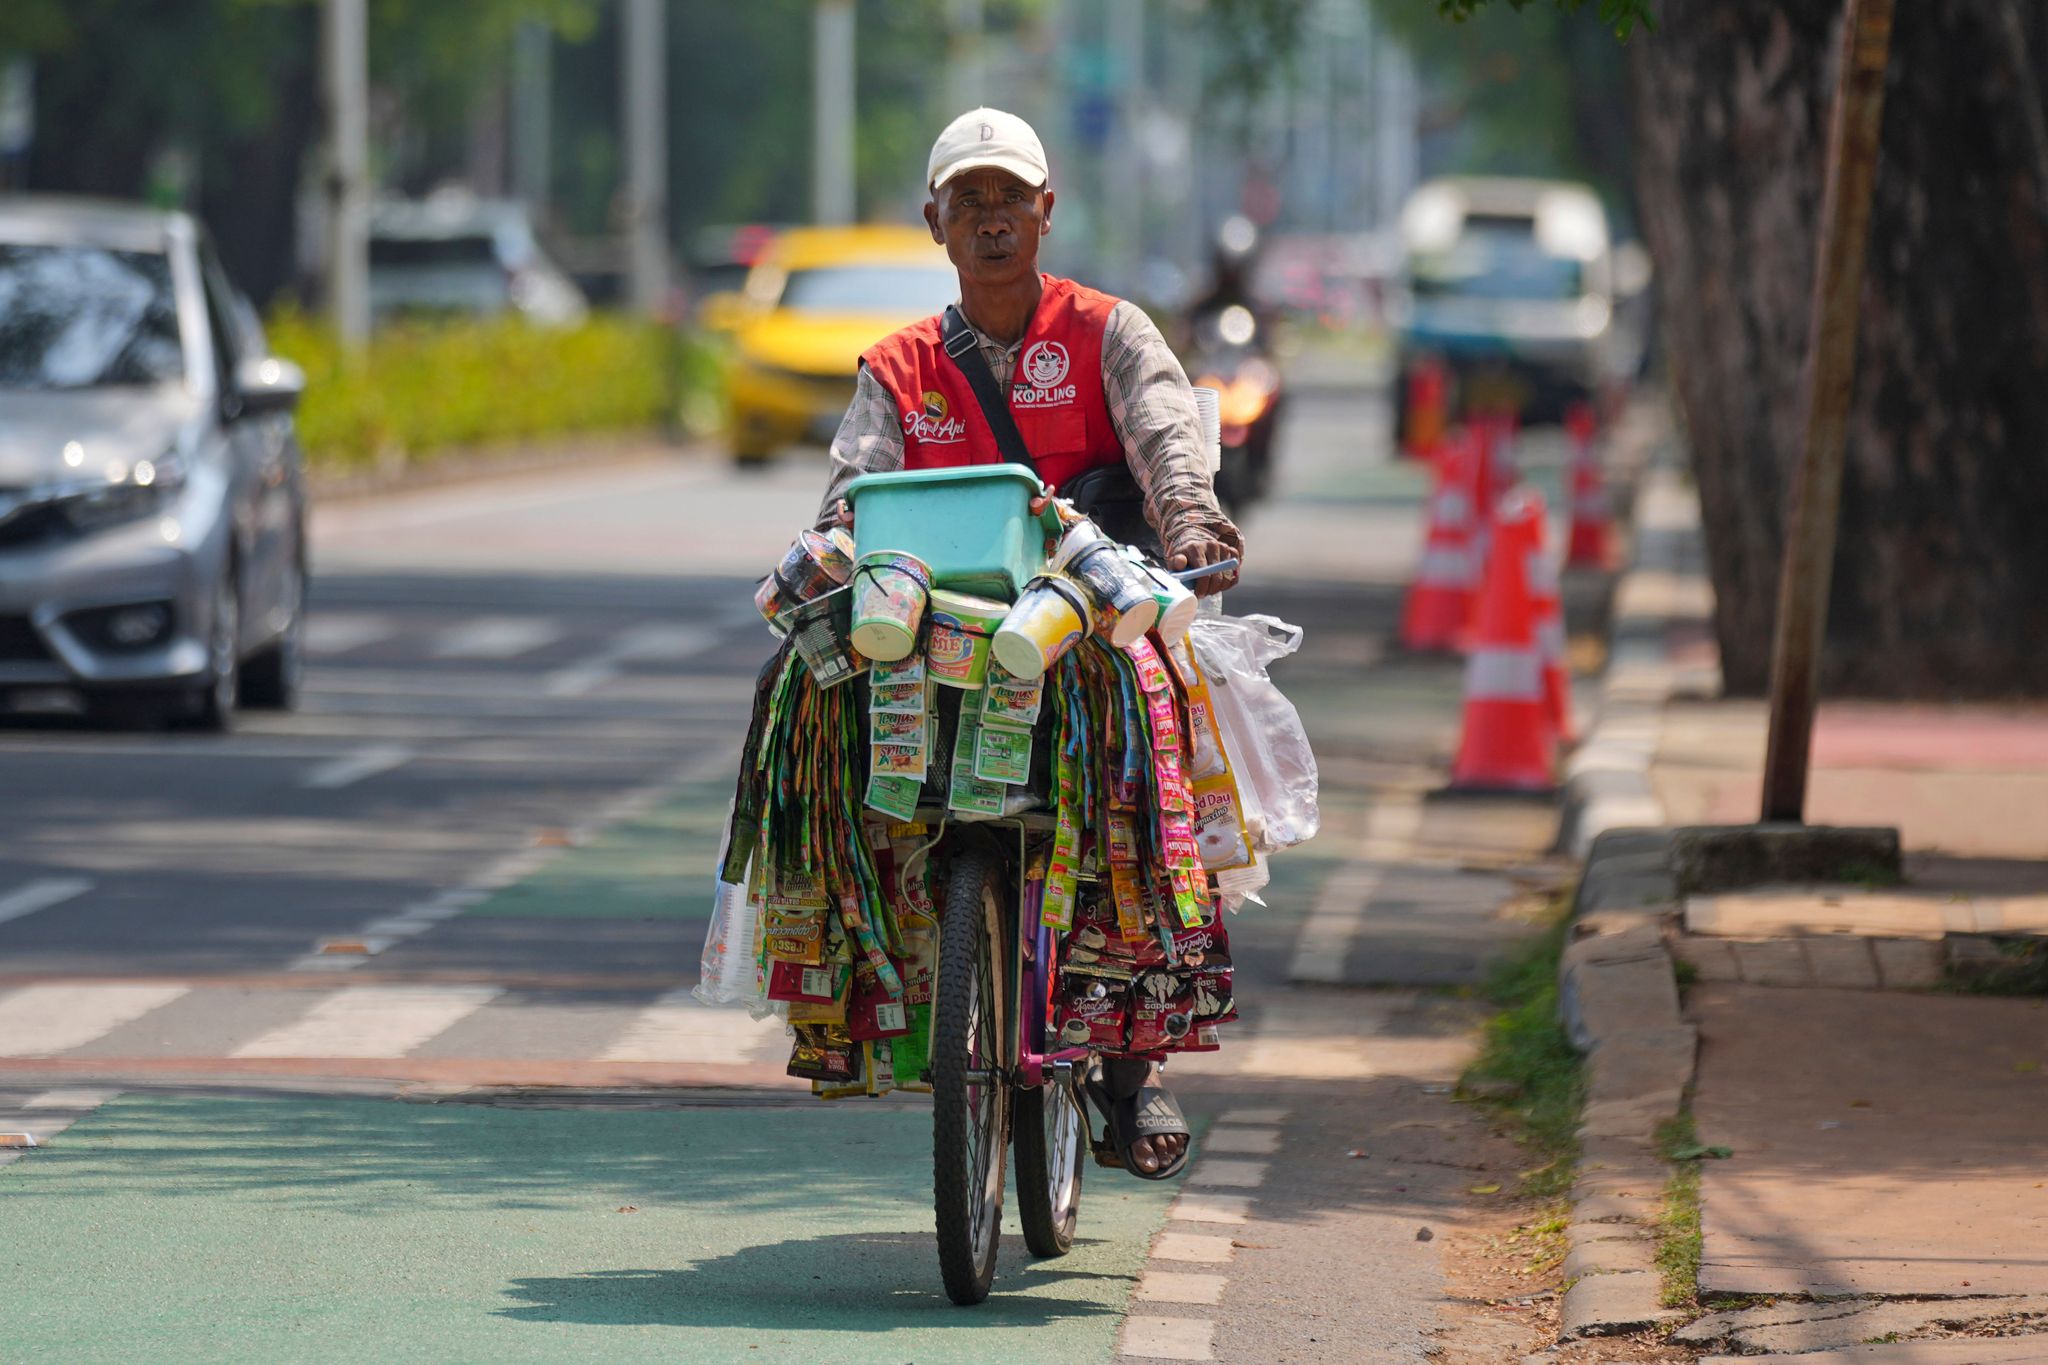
x=967, y=1202
x=1048, y=1166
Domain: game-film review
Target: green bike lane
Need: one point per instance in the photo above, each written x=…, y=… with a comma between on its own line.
x=295, y=1228
x=250, y=1226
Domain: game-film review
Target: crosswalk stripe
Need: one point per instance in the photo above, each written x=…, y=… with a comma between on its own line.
x=338, y=632
x=1157, y=1338
x=676, y=1028
x=41, y=895
x=352, y=768
x=40, y=1021
x=371, y=1021
x=496, y=637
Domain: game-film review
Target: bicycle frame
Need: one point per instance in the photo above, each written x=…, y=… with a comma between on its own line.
x=1031, y=1055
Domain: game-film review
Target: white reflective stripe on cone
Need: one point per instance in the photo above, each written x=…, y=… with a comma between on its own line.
x=1445, y=566
x=1550, y=638
x=1504, y=675
x=1453, y=507
x=1542, y=571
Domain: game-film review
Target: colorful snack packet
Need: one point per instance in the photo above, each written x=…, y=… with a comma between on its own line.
x=910, y=1053
x=796, y=982
x=874, y=1012
x=894, y=796
x=1093, y=1013
x=966, y=793
x=1219, y=825
x=897, y=727
x=899, y=686
x=1009, y=700
x=821, y=1053
x=899, y=760
x=1002, y=754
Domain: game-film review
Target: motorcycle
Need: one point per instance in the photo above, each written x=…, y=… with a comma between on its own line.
x=1228, y=354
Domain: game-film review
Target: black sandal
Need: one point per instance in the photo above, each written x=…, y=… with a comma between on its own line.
x=1141, y=1110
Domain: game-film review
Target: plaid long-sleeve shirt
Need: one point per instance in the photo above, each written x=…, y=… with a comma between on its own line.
x=1150, y=404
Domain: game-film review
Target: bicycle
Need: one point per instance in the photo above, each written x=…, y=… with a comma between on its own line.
x=997, y=1071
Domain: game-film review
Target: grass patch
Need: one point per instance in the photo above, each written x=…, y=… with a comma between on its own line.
x=2019, y=968
x=1527, y=1069
x=422, y=388
x=1678, y=1224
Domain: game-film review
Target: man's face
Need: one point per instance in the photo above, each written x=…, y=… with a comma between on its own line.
x=989, y=221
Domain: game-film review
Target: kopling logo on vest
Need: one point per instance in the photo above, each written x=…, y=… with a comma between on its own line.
x=1044, y=371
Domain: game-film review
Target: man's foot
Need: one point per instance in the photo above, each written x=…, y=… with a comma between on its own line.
x=1150, y=1153
x=1147, y=1135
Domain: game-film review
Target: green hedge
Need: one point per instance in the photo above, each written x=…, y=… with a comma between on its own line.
x=423, y=388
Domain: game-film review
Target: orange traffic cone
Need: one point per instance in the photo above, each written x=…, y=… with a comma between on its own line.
x=1427, y=387
x=1548, y=604
x=1440, y=599
x=1507, y=742
x=1590, y=526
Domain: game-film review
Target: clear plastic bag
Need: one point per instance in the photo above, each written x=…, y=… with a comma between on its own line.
x=729, y=973
x=1269, y=749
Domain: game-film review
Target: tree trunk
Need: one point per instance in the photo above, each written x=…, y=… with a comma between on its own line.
x=1941, y=571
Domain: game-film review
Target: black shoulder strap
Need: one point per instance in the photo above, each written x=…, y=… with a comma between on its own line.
x=966, y=354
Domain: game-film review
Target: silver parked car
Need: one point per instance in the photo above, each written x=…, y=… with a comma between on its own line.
x=152, y=514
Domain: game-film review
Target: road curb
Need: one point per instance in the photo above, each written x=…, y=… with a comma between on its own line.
x=1618, y=996
x=1663, y=602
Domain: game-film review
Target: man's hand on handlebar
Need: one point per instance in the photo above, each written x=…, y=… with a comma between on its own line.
x=1194, y=544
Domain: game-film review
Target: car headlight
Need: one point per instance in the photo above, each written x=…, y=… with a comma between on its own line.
x=141, y=492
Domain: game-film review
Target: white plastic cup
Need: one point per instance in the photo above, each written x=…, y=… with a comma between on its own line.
x=1209, y=406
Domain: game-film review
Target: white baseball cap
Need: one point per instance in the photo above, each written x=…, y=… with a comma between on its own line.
x=987, y=137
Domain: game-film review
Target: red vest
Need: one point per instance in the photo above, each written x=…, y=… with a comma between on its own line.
x=1056, y=393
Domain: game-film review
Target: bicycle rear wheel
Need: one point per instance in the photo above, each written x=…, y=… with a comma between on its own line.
x=970, y=1097
x=1047, y=1128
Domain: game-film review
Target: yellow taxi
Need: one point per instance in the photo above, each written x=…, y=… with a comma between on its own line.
x=814, y=302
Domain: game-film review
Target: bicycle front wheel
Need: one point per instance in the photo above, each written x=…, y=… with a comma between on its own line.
x=970, y=1096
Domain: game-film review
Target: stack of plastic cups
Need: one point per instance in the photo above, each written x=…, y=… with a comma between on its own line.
x=1209, y=406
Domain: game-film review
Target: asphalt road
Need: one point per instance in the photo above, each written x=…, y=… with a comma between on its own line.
x=368, y=1025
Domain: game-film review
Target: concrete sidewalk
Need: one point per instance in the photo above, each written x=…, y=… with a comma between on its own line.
x=1886, y=1196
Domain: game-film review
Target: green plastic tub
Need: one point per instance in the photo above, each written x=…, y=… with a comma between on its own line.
x=972, y=525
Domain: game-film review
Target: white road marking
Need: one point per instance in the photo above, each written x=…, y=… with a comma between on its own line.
x=496, y=637
x=68, y=1099
x=1192, y=1246
x=371, y=1021
x=1255, y=1116
x=666, y=642
x=338, y=632
x=1243, y=1175
x=350, y=769
x=40, y=1021
x=325, y=962
x=676, y=1028
x=1180, y=1286
x=1169, y=1338
x=579, y=680
x=1242, y=1141
x=1211, y=1208
x=1324, y=946
x=41, y=895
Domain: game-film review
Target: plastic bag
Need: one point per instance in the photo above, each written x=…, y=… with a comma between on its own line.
x=729, y=972
x=1269, y=751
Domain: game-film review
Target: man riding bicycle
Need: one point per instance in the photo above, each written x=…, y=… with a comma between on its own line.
x=1103, y=408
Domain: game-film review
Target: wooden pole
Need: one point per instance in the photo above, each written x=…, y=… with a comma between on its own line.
x=1830, y=375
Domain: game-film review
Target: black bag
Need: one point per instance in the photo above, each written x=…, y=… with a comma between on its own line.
x=1108, y=495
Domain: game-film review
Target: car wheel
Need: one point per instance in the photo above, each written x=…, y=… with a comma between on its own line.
x=210, y=705
x=270, y=679
x=751, y=458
